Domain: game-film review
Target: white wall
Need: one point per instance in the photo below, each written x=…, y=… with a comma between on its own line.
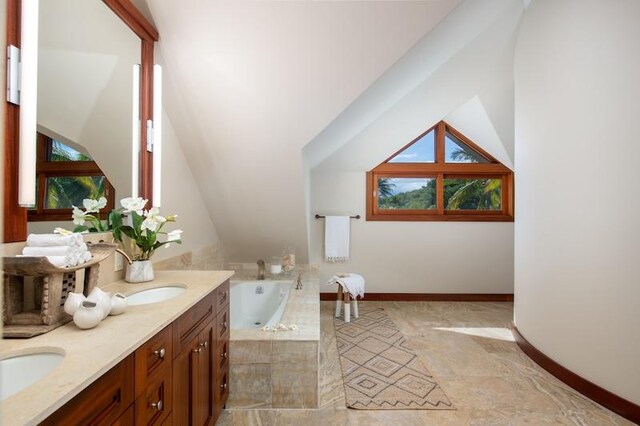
x=411, y=257
x=429, y=257
x=577, y=235
x=255, y=82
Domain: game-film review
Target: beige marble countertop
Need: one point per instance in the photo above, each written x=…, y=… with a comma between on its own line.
x=91, y=353
x=302, y=309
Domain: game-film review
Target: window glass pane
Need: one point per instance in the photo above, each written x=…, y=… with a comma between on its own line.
x=455, y=151
x=421, y=151
x=473, y=194
x=407, y=193
x=62, y=152
x=63, y=192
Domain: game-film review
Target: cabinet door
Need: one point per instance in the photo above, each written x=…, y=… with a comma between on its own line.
x=193, y=394
x=205, y=395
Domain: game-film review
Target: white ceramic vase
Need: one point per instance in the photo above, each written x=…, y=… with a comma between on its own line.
x=88, y=315
x=102, y=299
x=118, y=304
x=139, y=271
x=73, y=302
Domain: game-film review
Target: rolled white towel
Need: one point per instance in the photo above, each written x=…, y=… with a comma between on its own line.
x=81, y=258
x=57, y=261
x=52, y=240
x=49, y=251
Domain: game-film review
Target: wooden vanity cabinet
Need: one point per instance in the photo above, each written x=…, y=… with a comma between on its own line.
x=104, y=402
x=198, y=400
x=178, y=377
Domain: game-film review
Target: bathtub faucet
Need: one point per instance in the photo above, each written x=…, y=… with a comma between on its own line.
x=261, y=269
x=299, y=281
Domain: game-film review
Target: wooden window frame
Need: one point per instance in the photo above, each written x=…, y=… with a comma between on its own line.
x=48, y=169
x=440, y=170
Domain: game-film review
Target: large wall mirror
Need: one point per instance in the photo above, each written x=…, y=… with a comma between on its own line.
x=86, y=53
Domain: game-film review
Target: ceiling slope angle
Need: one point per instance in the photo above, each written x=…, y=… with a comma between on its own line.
x=251, y=83
x=461, y=71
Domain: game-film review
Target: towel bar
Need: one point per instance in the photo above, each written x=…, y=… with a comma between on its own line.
x=318, y=216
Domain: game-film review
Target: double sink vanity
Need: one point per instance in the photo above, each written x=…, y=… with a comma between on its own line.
x=164, y=361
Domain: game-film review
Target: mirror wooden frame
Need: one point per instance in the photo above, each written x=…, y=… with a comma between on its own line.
x=15, y=217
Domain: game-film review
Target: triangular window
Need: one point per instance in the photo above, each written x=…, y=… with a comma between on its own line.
x=422, y=150
x=456, y=151
x=440, y=175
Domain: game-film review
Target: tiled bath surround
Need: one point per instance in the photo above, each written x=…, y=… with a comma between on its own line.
x=211, y=258
x=279, y=370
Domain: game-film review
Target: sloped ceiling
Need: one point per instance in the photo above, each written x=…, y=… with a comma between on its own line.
x=251, y=83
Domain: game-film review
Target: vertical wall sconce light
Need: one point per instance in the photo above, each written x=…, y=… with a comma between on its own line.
x=28, y=104
x=135, y=133
x=157, y=135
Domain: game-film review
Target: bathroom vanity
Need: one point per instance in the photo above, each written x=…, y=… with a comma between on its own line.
x=157, y=364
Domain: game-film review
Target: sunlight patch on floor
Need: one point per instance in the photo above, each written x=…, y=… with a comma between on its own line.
x=499, y=333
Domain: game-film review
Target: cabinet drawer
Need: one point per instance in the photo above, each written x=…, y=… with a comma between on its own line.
x=221, y=390
x=222, y=296
x=221, y=356
x=155, y=404
x=191, y=323
x=103, y=402
x=153, y=359
x=222, y=324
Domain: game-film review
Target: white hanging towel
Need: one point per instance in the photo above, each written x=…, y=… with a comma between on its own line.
x=336, y=238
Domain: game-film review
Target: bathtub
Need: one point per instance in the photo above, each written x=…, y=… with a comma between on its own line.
x=255, y=304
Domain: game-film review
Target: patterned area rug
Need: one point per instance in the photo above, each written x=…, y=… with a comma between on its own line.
x=380, y=370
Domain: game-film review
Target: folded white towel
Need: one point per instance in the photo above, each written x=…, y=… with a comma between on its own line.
x=57, y=261
x=336, y=238
x=353, y=283
x=54, y=250
x=49, y=240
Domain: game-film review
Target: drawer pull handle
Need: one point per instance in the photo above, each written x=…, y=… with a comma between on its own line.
x=203, y=344
x=198, y=349
x=157, y=405
x=223, y=386
x=223, y=324
x=160, y=353
x=223, y=355
x=224, y=295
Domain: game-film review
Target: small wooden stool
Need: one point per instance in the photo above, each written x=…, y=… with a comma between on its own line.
x=349, y=301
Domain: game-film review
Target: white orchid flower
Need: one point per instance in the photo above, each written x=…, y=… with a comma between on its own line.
x=150, y=224
x=78, y=216
x=174, y=235
x=153, y=213
x=92, y=206
x=62, y=231
x=131, y=204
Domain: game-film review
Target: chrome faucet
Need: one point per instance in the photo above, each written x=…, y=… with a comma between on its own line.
x=261, y=269
x=299, y=281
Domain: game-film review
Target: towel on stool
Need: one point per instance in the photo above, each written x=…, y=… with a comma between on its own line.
x=352, y=283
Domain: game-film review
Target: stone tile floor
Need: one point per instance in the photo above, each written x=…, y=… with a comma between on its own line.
x=468, y=348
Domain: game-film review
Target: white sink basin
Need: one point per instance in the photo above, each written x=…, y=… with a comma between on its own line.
x=20, y=372
x=154, y=295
